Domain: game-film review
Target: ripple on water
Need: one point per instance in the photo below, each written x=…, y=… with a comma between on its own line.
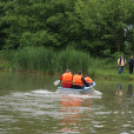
x=98, y=126
x=103, y=113
x=124, y=133
x=43, y=106
x=126, y=125
x=132, y=131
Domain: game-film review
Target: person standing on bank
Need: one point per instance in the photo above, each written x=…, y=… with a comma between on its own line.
x=131, y=64
x=121, y=63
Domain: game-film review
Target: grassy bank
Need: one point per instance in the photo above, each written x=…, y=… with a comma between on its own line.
x=47, y=60
x=111, y=74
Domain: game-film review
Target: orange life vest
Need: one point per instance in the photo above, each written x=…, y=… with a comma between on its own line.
x=67, y=78
x=88, y=79
x=77, y=80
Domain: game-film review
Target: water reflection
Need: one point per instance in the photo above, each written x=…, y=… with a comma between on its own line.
x=129, y=92
x=119, y=90
x=29, y=104
x=73, y=108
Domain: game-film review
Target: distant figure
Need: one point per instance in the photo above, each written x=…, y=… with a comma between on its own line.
x=88, y=80
x=119, y=90
x=129, y=92
x=79, y=81
x=131, y=64
x=66, y=79
x=121, y=63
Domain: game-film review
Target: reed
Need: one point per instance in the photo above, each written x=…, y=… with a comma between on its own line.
x=51, y=61
x=48, y=60
x=74, y=60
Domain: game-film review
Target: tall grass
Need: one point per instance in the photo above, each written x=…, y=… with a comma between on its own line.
x=74, y=60
x=48, y=60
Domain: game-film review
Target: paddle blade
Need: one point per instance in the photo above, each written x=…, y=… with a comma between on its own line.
x=56, y=82
x=94, y=83
x=97, y=92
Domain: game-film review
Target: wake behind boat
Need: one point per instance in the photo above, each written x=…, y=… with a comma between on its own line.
x=85, y=90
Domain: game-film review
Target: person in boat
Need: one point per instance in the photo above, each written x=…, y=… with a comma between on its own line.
x=88, y=80
x=66, y=79
x=79, y=81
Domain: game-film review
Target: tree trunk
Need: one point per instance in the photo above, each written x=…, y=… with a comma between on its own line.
x=118, y=46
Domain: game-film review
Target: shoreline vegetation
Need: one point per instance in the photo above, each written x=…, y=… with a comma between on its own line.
x=54, y=35
x=52, y=62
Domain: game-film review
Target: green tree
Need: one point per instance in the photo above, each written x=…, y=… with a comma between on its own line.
x=42, y=23
x=107, y=21
x=97, y=26
x=130, y=39
x=3, y=26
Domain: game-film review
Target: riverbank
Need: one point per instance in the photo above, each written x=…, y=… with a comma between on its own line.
x=48, y=61
x=111, y=74
x=100, y=74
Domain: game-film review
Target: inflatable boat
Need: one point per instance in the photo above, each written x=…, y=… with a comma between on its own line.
x=84, y=90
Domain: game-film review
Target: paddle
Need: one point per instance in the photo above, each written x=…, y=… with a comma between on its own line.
x=95, y=91
x=56, y=82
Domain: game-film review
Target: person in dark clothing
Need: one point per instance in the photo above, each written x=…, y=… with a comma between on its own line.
x=131, y=64
x=79, y=81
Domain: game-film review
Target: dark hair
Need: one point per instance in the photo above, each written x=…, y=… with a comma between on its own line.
x=67, y=70
x=79, y=72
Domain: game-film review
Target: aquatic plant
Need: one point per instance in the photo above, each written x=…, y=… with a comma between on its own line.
x=48, y=60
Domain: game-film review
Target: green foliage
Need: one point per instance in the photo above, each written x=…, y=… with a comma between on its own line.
x=50, y=61
x=45, y=59
x=3, y=26
x=75, y=60
x=108, y=19
x=100, y=27
x=130, y=42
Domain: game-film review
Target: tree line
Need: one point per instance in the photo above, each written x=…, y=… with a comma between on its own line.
x=100, y=27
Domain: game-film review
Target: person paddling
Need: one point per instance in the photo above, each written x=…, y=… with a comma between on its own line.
x=88, y=80
x=66, y=79
x=79, y=81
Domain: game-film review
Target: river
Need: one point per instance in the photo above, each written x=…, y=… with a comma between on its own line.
x=30, y=104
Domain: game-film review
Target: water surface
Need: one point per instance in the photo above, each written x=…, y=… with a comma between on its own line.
x=30, y=104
